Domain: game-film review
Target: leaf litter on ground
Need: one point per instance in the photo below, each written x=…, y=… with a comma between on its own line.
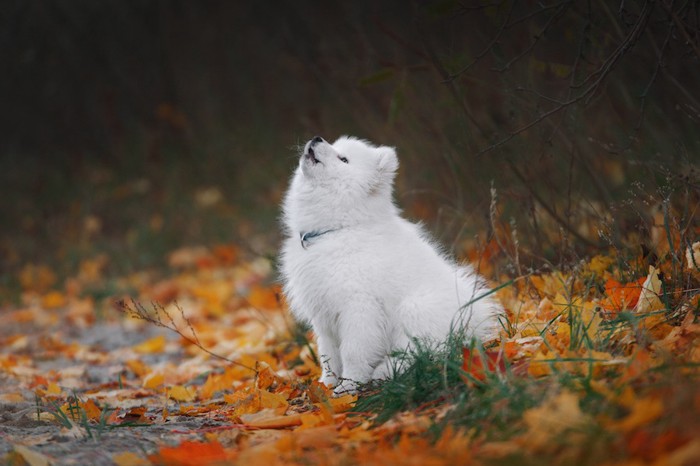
x=205, y=367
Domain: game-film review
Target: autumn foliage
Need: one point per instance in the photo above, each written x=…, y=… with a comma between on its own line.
x=591, y=366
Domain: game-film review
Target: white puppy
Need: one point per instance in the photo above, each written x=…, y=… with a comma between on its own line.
x=367, y=280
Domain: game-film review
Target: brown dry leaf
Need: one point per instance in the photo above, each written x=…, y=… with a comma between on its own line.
x=549, y=420
x=692, y=257
x=651, y=290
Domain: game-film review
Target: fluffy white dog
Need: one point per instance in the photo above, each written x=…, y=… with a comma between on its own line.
x=367, y=280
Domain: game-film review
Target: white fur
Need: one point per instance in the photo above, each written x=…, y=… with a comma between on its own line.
x=373, y=281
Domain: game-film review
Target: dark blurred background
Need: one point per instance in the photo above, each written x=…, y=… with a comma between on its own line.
x=131, y=127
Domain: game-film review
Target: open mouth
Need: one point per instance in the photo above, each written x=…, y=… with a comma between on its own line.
x=310, y=155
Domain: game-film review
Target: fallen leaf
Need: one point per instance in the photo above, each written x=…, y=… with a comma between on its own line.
x=651, y=290
x=692, y=256
x=152, y=345
x=642, y=412
x=191, y=454
x=153, y=380
x=263, y=297
x=621, y=296
x=267, y=419
x=32, y=457
x=128, y=458
x=181, y=393
x=477, y=364
x=551, y=419
x=53, y=300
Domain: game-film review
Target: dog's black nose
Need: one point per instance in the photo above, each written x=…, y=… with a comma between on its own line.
x=316, y=140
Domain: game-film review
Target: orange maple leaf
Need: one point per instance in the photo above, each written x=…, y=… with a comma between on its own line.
x=621, y=296
x=191, y=454
x=474, y=361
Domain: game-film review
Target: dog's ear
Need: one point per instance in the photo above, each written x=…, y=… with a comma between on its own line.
x=388, y=163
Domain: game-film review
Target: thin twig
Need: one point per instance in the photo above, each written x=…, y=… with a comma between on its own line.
x=681, y=27
x=551, y=211
x=601, y=73
x=137, y=310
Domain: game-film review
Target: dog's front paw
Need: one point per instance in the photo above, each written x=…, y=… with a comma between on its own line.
x=346, y=387
x=329, y=379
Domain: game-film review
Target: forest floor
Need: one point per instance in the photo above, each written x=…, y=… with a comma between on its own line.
x=200, y=363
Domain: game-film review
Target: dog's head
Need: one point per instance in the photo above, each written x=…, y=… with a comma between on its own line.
x=349, y=164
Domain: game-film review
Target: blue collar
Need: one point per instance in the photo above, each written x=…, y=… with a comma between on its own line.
x=306, y=237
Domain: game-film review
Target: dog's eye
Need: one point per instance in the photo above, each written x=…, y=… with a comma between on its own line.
x=343, y=159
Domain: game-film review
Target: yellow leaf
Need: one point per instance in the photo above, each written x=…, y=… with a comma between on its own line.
x=181, y=393
x=137, y=367
x=591, y=318
x=217, y=382
x=550, y=285
x=265, y=376
x=33, y=458
x=272, y=400
x=342, y=403
x=11, y=397
x=599, y=264
x=53, y=389
x=311, y=419
x=642, y=411
x=153, y=345
x=547, y=421
x=267, y=419
x=263, y=298
x=53, y=300
x=540, y=365
x=128, y=458
x=153, y=380
x=214, y=295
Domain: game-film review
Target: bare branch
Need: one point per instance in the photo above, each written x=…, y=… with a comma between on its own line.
x=557, y=14
x=680, y=26
x=551, y=211
x=600, y=74
x=137, y=310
